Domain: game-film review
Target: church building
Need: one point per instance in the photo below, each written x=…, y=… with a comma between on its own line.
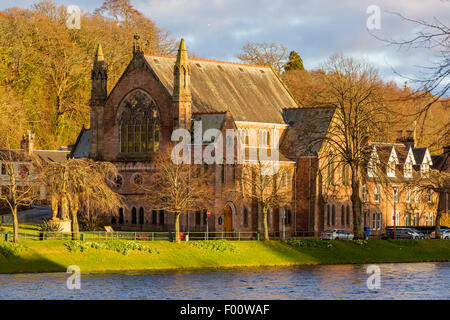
x=158, y=94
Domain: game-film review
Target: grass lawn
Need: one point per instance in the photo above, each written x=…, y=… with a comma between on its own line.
x=54, y=256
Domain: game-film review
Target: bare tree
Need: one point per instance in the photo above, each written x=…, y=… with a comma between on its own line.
x=265, y=183
x=20, y=187
x=264, y=54
x=353, y=88
x=438, y=182
x=176, y=188
x=434, y=37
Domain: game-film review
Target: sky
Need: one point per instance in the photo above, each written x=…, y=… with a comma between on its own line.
x=316, y=29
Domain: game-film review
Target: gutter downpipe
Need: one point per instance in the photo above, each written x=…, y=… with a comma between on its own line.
x=309, y=197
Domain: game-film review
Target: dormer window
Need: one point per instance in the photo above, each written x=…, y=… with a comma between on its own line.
x=408, y=170
x=424, y=170
x=391, y=169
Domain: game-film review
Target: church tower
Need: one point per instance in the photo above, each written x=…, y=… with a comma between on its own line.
x=99, y=79
x=182, y=98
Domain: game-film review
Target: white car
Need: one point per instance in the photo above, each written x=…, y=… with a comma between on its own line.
x=445, y=234
x=337, y=234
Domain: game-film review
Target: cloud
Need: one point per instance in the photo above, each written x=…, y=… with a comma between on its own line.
x=316, y=29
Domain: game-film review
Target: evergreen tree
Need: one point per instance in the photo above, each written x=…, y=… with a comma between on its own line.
x=295, y=62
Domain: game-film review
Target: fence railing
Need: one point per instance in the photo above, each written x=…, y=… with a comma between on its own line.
x=154, y=236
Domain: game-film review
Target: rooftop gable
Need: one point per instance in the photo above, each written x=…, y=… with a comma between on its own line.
x=249, y=93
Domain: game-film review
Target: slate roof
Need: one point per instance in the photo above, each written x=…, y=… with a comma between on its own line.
x=81, y=148
x=249, y=93
x=307, y=130
x=419, y=154
x=52, y=155
x=18, y=155
x=441, y=162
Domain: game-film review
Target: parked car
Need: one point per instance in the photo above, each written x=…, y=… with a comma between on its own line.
x=337, y=234
x=442, y=232
x=417, y=234
x=400, y=233
x=445, y=234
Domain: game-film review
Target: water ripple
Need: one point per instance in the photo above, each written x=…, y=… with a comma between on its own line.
x=398, y=281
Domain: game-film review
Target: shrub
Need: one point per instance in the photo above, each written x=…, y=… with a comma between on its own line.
x=11, y=249
x=90, y=223
x=360, y=242
x=309, y=244
x=50, y=226
x=123, y=247
x=214, y=245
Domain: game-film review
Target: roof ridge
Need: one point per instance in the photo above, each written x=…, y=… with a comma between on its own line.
x=311, y=108
x=212, y=112
x=209, y=60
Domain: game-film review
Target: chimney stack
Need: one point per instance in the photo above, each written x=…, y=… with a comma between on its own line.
x=409, y=139
x=399, y=135
x=27, y=143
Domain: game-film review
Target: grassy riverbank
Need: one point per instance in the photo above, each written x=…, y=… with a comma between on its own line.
x=55, y=256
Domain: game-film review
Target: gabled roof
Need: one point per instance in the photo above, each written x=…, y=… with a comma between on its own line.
x=249, y=93
x=81, y=148
x=441, y=162
x=419, y=154
x=307, y=130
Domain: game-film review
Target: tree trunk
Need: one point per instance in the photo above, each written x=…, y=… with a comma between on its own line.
x=55, y=205
x=15, y=225
x=177, y=228
x=64, y=209
x=266, y=228
x=74, y=214
x=357, y=208
x=437, y=234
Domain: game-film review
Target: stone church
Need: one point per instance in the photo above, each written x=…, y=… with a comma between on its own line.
x=158, y=94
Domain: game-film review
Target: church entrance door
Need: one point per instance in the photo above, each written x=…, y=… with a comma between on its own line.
x=228, y=220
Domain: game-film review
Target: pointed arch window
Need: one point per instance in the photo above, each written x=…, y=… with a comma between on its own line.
x=139, y=124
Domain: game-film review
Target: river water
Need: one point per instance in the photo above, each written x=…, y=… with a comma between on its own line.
x=397, y=281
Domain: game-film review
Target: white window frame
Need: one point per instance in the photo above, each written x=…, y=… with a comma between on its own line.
x=416, y=195
x=408, y=170
x=391, y=169
x=395, y=194
x=408, y=194
x=376, y=194
x=429, y=195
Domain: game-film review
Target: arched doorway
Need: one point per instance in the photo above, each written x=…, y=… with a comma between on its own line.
x=228, y=220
